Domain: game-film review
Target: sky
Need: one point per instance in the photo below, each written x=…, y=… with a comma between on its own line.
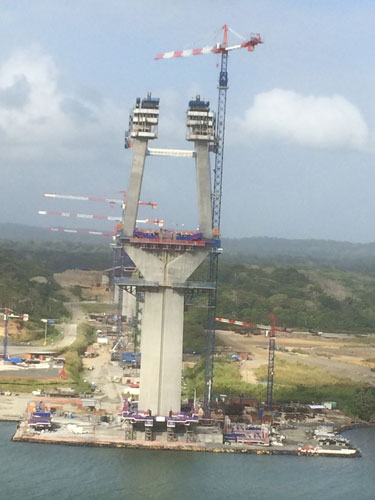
x=299, y=145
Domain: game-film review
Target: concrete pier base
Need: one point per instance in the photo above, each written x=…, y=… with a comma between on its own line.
x=161, y=347
x=162, y=325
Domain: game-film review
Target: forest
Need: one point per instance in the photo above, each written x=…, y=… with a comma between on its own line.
x=332, y=292
x=303, y=294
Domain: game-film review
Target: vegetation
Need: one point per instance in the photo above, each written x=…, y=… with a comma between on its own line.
x=73, y=362
x=26, y=384
x=357, y=257
x=59, y=256
x=29, y=288
x=194, y=331
x=227, y=380
x=298, y=374
x=328, y=300
x=317, y=285
x=97, y=308
x=295, y=382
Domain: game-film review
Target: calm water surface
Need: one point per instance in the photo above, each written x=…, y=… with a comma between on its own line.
x=36, y=471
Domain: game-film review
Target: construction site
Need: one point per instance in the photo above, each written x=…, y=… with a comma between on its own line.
x=135, y=366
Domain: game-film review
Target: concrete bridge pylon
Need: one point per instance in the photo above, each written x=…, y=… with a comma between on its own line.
x=166, y=259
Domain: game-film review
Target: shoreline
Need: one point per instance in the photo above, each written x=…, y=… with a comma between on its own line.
x=161, y=446
x=19, y=436
x=358, y=425
x=14, y=414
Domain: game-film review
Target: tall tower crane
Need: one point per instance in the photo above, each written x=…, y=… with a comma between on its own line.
x=220, y=48
x=271, y=350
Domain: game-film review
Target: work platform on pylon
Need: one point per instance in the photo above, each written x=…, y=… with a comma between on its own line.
x=166, y=259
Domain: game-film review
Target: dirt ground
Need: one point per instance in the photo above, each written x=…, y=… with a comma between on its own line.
x=13, y=407
x=107, y=376
x=344, y=356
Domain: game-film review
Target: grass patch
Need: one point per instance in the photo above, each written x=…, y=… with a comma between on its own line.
x=25, y=384
x=227, y=380
x=293, y=373
x=294, y=382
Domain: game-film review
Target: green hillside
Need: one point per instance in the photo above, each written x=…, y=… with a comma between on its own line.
x=28, y=287
x=301, y=297
x=321, y=299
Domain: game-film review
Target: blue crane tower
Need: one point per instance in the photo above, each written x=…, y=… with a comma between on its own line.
x=223, y=49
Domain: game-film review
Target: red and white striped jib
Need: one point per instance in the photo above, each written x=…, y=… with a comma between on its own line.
x=80, y=216
x=159, y=222
x=95, y=198
x=234, y=322
x=80, y=231
x=215, y=49
x=189, y=52
x=81, y=198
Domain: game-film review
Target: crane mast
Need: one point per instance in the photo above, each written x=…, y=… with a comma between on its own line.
x=216, y=216
x=222, y=49
x=220, y=133
x=271, y=350
x=271, y=363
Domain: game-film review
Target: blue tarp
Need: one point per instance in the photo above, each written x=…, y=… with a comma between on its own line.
x=15, y=360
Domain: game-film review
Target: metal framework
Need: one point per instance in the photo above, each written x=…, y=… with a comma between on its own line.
x=216, y=215
x=271, y=363
x=222, y=49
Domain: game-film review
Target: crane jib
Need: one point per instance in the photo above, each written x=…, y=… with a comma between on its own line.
x=222, y=49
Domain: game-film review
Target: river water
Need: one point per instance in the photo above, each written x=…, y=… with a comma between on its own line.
x=37, y=471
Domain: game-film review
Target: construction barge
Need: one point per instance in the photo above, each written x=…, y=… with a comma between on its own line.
x=77, y=423
x=19, y=436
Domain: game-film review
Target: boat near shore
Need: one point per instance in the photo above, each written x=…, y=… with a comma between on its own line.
x=329, y=452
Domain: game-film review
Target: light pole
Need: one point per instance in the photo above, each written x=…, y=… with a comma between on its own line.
x=46, y=322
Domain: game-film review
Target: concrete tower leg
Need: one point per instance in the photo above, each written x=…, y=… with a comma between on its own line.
x=135, y=185
x=202, y=162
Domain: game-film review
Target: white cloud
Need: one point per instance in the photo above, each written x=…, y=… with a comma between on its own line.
x=325, y=122
x=37, y=116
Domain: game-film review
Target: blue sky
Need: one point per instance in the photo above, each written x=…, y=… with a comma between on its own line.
x=300, y=149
